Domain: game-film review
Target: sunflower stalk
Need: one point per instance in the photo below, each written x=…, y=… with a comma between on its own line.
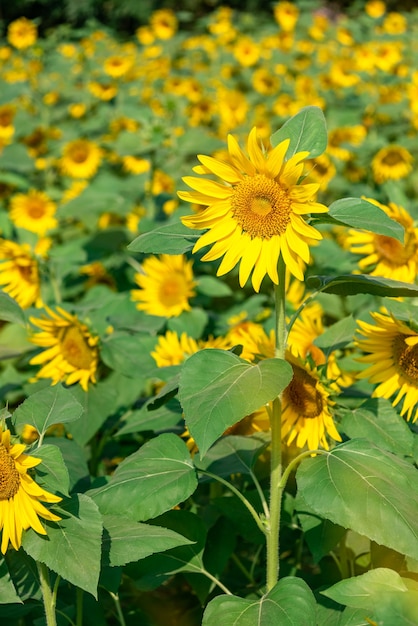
x=49, y=596
x=276, y=488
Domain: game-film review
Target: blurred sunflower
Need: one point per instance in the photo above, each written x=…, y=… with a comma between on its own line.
x=375, y=8
x=7, y=129
x=391, y=348
x=20, y=495
x=19, y=275
x=81, y=158
x=34, y=211
x=118, y=65
x=166, y=285
x=103, y=91
x=286, y=15
x=172, y=349
x=136, y=165
x=386, y=256
x=163, y=23
x=391, y=163
x=258, y=214
x=306, y=408
x=70, y=352
x=22, y=33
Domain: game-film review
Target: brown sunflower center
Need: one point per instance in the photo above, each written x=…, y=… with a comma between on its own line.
x=75, y=349
x=79, y=154
x=393, y=250
x=27, y=269
x=36, y=209
x=9, y=476
x=406, y=358
x=173, y=290
x=261, y=206
x=393, y=158
x=303, y=395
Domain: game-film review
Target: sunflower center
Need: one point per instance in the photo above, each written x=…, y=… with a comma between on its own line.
x=79, y=154
x=392, y=250
x=303, y=395
x=36, y=210
x=75, y=349
x=9, y=476
x=392, y=158
x=407, y=359
x=261, y=206
x=173, y=290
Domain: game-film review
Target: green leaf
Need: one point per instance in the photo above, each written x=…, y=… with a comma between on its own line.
x=365, y=590
x=52, y=405
x=377, y=421
x=233, y=454
x=213, y=287
x=217, y=389
x=128, y=354
x=8, y=593
x=289, y=603
x=166, y=239
x=163, y=418
x=52, y=473
x=367, y=489
x=72, y=547
x=153, y=480
x=352, y=284
x=337, y=336
x=321, y=535
x=24, y=574
x=10, y=311
x=306, y=130
x=126, y=541
x=359, y=213
x=192, y=323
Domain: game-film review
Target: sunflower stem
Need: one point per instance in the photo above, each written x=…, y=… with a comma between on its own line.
x=49, y=598
x=276, y=439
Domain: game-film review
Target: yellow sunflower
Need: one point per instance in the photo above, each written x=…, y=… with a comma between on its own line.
x=70, y=352
x=118, y=65
x=164, y=23
x=19, y=275
x=171, y=349
x=391, y=163
x=20, y=495
x=22, y=33
x=103, y=91
x=306, y=408
x=392, y=359
x=257, y=215
x=81, y=158
x=34, y=211
x=386, y=256
x=286, y=15
x=166, y=285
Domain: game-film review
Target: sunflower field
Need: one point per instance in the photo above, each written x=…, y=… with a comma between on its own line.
x=209, y=318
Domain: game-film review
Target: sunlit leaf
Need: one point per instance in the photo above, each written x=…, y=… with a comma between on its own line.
x=352, y=284
x=10, y=311
x=166, y=239
x=361, y=214
x=306, y=130
x=8, y=593
x=52, y=473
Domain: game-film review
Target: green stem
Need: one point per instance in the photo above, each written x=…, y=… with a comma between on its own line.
x=239, y=495
x=216, y=582
x=116, y=600
x=49, y=598
x=276, y=439
x=296, y=461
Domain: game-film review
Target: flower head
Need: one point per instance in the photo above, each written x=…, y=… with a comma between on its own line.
x=19, y=275
x=70, y=352
x=256, y=215
x=172, y=349
x=34, y=211
x=20, y=495
x=81, y=158
x=391, y=348
x=391, y=163
x=22, y=33
x=166, y=285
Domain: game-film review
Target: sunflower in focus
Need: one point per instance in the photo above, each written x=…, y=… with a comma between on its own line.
x=81, y=159
x=386, y=256
x=306, y=408
x=391, y=348
x=20, y=495
x=166, y=285
x=19, y=274
x=257, y=214
x=34, y=211
x=22, y=33
x=70, y=352
x=391, y=163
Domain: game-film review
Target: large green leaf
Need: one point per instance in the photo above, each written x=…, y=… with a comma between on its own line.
x=337, y=336
x=153, y=480
x=10, y=311
x=98, y=403
x=217, y=389
x=125, y=541
x=289, y=603
x=52, y=473
x=352, y=284
x=234, y=454
x=166, y=239
x=306, y=130
x=128, y=354
x=359, y=213
x=72, y=547
x=367, y=489
x=8, y=593
x=52, y=405
x=320, y=534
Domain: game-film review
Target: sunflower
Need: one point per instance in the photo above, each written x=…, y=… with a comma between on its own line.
x=286, y=15
x=386, y=256
x=34, y=211
x=118, y=65
x=375, y=8
x=69, y=352
x=306, y=408
x=257, y=215
x=164, y=23
x=136, y=165
x=7, y=129
x=166, y=284
x=22, y=33
x=392, y=359
x=19, y=275
x=20, y=495
x=391, y=163
x=81, y=158
x=171, y=349
x=103, y=91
